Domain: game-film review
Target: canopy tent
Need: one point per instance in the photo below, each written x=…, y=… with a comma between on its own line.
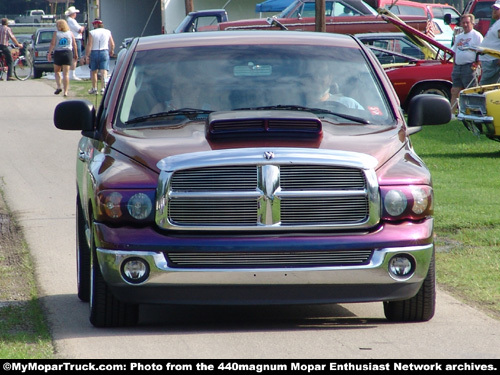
x=272, y=5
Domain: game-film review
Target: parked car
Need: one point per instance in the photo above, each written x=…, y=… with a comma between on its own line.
x=478, y=108
x=443, y=33
x=252, y=168
x=41, y=43
x=481, y=9
x=341, y=16
x=431, y=75
x=408, y=7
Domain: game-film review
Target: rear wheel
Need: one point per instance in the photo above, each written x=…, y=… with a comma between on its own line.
x=37, y=73
x=3, y=70
x=434, y=88
x=105, y=309
x=23, y=68
x=419, y=308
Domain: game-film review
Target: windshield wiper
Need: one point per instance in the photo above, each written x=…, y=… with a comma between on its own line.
x=188, y=112
x=306, y=109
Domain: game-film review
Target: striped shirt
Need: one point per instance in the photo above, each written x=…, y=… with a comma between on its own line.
x=5, y=35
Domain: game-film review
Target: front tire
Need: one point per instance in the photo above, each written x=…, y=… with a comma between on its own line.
x=419, y=308
x=105, y=309
x=82, y=255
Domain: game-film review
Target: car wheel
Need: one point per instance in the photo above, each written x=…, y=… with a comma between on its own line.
x=37, y=73
x=434, y=88
x=82, y=255
x=419, y=308
x=105, y=309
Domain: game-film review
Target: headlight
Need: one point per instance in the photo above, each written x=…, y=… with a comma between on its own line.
x=420, y=200
x=112, y=205
x=395, y=202
x=407, y=202
x=139, y=206
x=125, y=205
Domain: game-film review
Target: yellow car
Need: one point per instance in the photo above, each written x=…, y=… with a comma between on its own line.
x=479, y=107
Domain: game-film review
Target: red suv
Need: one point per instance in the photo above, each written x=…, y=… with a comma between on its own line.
x=481, y=9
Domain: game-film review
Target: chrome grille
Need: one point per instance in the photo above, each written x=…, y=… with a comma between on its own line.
x=215, y=179
x=472, y=104
x=320, y=178
x=220, y=211
x=263, y=260
x=267, y=189
x=337, y=210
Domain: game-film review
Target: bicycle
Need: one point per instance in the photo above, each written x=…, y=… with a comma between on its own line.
x=22, y=64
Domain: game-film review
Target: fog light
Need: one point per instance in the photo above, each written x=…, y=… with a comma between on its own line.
x=135, y=270
x=401, y=267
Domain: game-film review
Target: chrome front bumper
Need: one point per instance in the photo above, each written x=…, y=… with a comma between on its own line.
x=370, y=282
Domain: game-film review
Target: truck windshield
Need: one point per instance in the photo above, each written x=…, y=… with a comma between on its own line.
x=176, y=84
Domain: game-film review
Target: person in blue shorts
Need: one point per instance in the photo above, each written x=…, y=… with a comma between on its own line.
x=100, y=47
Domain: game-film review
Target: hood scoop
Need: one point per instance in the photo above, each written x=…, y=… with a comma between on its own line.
x=263, y=124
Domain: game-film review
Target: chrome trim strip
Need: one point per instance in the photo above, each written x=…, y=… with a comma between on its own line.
x=475, y=118
x=256, y=156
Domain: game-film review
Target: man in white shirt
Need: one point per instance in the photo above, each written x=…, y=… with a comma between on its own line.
x=489, y=64
x=463, y=73
x=77, y=31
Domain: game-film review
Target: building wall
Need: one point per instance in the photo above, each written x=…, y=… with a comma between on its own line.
x=129, y=18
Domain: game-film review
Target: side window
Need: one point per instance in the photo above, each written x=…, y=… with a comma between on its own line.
x=384, y=44
x=343, y=10
x=203, y=22
x=437, y=12
x=394, y=8
x=483, y=10
x=309, y=9
x=45, y=37
x=412, y=11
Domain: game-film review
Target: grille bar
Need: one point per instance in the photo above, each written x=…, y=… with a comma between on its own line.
x=256, y=260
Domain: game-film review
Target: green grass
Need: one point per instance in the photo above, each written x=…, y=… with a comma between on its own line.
x=23, y=330
x=465, y=169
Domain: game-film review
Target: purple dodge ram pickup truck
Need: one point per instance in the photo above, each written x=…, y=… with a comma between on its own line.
x=252, y=167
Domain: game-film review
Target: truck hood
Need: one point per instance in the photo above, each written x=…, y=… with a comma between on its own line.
x=149, y=145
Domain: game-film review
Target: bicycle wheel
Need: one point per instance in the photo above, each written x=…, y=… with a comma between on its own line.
x=3, y=71
x=23, y=68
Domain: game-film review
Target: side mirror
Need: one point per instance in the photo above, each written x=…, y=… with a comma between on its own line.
x=273, y=21
x=75, y=115
x=428, y=109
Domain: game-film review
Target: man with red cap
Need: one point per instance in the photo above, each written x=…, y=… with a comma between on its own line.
x=100, y=46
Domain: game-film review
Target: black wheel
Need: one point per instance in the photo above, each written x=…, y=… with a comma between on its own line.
x=37, y=73
x=3, y=70
x=23, y=68
x=434, y=88
x=419, y=308
x=105, y=309
x=82, y=255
